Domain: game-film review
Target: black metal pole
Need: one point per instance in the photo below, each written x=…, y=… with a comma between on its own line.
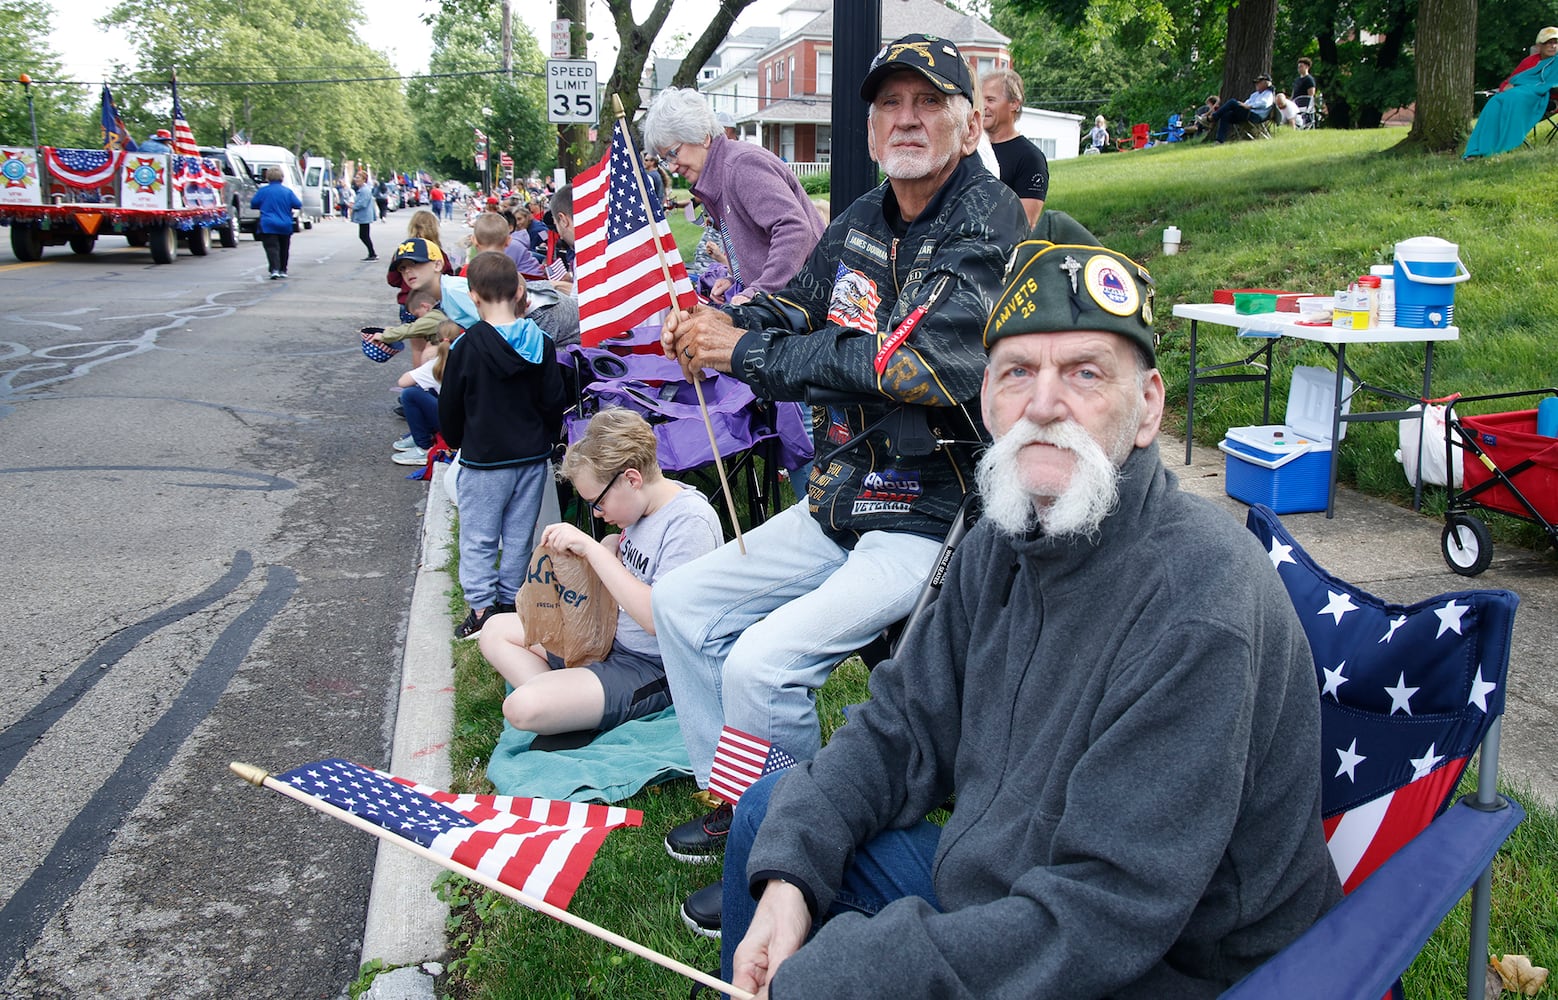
x=26, y=82
x=857, y=36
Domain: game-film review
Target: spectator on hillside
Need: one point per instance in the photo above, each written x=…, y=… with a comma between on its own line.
x=1023, y=166
x=765, y=221
x=1304, y=88
x=1098, y=135
x=1522, y=101
x=1255, y=108
x=1201, y=122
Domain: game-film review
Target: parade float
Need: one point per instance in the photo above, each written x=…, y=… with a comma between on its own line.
x=53, y=196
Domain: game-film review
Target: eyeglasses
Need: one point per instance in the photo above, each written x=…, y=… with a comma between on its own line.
x=595, y=504
x=670, y=154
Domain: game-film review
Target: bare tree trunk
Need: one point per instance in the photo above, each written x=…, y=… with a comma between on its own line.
x=1446, y=60
x=1252, y=32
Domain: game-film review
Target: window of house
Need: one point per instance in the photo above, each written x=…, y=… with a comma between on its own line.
x=824, y=144
x=824, y=73
x=1047, y=147
x=787, y=143
x=985, y=64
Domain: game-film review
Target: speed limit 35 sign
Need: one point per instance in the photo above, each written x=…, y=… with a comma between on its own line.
x=570, y=91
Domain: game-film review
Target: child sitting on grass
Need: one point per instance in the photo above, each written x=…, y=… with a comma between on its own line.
x=419, y=393
x=664, y=524
x=501, y=405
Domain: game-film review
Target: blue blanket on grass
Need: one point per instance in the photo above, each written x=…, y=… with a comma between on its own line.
x=616, y=766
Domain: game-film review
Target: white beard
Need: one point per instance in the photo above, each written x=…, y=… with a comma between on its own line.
x=1079, y=510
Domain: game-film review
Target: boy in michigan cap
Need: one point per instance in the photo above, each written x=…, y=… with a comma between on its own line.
x=1114, y=685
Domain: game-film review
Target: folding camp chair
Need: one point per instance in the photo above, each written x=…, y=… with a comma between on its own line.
x=1407, y=693
x=1141, y=135
x=1174, y=131
x=756, y=438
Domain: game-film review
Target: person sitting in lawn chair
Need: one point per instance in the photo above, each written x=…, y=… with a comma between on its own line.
x=1132, y=744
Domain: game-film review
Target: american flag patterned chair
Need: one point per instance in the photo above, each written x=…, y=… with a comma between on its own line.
x=1407, y=694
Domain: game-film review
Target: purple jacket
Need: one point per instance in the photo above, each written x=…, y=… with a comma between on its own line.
x=772, y=225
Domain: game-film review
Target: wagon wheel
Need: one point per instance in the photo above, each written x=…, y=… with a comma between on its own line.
x=1467, y=544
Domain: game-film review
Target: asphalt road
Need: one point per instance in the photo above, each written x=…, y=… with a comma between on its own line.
x=207, y=557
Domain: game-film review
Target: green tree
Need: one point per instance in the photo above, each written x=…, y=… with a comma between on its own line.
x=24, y=25
x=265, y=67
x=464, y=77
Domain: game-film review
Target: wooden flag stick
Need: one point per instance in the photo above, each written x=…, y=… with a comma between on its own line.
x=260, y=777
x=670, y=289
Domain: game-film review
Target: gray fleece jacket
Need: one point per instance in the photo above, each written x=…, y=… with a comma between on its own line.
x=1132, y=732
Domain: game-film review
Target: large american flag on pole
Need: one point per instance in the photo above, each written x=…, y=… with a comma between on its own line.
x=183, y=136
x=1406, y=694
x=616, y=265
x=541, y=847
x=740, y=759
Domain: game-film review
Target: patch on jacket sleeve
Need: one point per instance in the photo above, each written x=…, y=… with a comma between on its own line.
x=854, y=301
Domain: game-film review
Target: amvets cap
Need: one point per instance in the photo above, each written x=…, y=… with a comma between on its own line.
x=1058, y=287
x=936, y=59
x=418, y=250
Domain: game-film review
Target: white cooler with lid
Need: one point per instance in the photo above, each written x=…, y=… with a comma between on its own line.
x=1287, y=466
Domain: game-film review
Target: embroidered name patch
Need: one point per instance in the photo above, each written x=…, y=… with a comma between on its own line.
x=863, y=244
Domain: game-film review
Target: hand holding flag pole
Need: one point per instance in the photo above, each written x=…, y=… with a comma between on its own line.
x=261, y=778
x=670, y=288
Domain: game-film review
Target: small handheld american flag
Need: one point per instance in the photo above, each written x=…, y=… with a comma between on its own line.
x=740, y=759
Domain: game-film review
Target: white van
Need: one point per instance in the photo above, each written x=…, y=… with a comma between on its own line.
x=318, y=186
x=259, y=159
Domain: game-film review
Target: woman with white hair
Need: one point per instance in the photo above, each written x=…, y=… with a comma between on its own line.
x=767, y=224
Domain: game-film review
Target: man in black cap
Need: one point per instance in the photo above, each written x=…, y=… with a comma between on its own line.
x=1255, y=108
x=880, y=328
x=1115, y=686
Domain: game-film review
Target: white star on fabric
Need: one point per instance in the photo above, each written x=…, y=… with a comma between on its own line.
x=1450, y=618
x=1333, y=681
x=1350, y=760
x=1401, y=696
x=1422, y=765
x=1338, y=605
x=1280, y=554
x=1395, y=623
x=1480, y=689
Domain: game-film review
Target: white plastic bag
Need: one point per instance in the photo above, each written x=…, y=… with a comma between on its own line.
x=1433, y=448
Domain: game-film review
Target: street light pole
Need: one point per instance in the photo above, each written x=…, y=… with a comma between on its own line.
x=26, y=82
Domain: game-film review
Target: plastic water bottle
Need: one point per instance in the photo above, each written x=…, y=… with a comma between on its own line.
x=1547, y=417
x=1171, y=241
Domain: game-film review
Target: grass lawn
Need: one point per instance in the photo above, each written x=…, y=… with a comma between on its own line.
x=1305, y=212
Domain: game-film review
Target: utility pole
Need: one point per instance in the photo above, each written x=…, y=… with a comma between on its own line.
x=572, y=138
x=857, y=37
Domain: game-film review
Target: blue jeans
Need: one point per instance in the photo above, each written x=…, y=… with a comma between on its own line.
x=498, y=510
x=748, y=639
x=893, y=865
x=421, y=409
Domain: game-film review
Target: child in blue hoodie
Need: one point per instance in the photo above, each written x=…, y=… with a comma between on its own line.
x=502, y=406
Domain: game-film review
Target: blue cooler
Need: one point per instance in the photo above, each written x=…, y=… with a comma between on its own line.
x=1287, y=466
x=1427, y=271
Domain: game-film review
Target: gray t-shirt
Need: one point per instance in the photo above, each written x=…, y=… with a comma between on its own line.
x=680, y=531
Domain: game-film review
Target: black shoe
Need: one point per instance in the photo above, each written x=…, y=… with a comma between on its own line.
x=398, y=410
x=503, y=609
x=701, y=911
x=702, y=840
x=372, y=257
x=474, y=621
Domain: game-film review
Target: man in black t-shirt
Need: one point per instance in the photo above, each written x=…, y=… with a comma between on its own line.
x=1023, y=166
x=1304, y=87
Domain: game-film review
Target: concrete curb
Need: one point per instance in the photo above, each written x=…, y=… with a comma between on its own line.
x=405, y=924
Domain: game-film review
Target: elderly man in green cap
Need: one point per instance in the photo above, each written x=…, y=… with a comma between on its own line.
x=1113, y=684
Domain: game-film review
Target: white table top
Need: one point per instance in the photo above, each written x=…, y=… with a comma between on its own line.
x=1286, y=324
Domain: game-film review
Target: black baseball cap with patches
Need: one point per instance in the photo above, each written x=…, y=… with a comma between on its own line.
x=936, y=59
x=1060, y=279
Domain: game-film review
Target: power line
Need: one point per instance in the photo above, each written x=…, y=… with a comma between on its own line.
x=295, y=83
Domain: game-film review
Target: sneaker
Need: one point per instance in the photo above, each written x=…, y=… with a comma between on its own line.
x=411, y=456
x=405, y=444
x=701, y=911
x=472, y=626
x=702, y=840
x=374, y=257
x=499, y=608
x=274, y=275
x=398, y=410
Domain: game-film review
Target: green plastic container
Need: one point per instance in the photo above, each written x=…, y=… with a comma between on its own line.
x=1252, y=303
